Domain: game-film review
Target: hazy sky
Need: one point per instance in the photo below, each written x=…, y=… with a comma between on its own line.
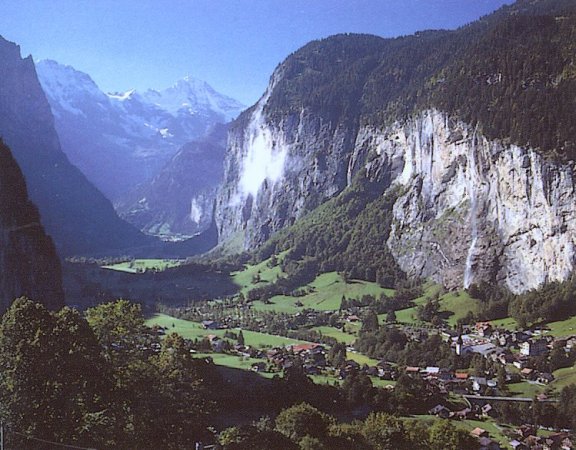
x=232, y=44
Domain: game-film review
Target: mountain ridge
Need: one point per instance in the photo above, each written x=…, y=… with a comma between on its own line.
x=334, y=105
x=121, y=140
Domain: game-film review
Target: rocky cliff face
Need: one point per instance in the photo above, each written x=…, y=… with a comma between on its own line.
x=276, y=171
x=179, y=202
x=468, y=209
x=74, y=212
x=474, y=210
x=29, y=265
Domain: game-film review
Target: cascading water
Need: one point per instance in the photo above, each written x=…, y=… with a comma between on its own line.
x=468, y=272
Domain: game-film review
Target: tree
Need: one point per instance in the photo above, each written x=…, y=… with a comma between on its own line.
x=370, y=322
x=385, y=432
x=54, y=382
x=249, y=437
x=120, y=329
x=443, y=435
x=303, y=420
x=391, y=317
x=241, y=338
x=337, y=355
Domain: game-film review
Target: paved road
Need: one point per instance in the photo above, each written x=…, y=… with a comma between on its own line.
x=508, y=399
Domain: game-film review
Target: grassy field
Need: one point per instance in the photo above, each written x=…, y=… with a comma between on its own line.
x=194, y=330
x=141, y=265
x=508, y=323
x=244, y=278
x=564, y=377
x=562, y=328
x=234, y=362
x=326, y=294
x=454, y=305
x=525, y=389
x=335, y=333
x=468, y=425
x=459, y=303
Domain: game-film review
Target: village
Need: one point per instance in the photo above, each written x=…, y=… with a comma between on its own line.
x=502, y=359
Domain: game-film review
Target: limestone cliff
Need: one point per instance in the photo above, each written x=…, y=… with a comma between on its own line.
x=469, y=208
x=29, y=265
x=473, y=209
x=275, y=172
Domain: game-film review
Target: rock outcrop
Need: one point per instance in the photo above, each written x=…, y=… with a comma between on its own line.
x=29, y=265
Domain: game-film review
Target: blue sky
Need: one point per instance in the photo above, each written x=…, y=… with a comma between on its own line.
x=232, y=44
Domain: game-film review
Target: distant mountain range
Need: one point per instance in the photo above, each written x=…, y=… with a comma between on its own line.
x=121, y=140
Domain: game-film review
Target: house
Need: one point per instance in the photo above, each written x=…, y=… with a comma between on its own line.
x=517, y=445
x=545, y=378
x=478, y=383
x=210, y=325
x=412, y=370
x=440, y=411
x=483, y=329
x=526, y=430
x=527, y=373
x=258, y=367
x=520, y=362
x=464, y=414
x=487, y=410
x=534, y=347
x=479, y=432
x=488, y=444
x=432, y=371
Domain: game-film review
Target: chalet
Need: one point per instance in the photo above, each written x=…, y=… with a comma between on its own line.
x=479, y=432
x=431, y=371
x=488, y=444
x=545, y=378
x=464, y=414
x=216, y=343
x=483, y=329
x=526, y=430
x=440, y=411
x=210, y=325
x=520, y=362
x=258, y=367
x=534, y=347
x=487, y=410
x=478, y=383
x=517, y=445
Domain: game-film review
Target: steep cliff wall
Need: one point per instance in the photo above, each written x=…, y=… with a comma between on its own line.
x=275, y=172
x=469, y=208
x=29, y=265
x=473, y=209
x=74, y=212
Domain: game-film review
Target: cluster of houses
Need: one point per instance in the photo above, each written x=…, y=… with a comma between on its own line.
x=526, y=438
x=510, y=347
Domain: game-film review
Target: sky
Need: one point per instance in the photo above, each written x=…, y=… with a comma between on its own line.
x=234, y=45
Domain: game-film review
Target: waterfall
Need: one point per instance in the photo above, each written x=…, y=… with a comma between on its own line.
x=468, y=273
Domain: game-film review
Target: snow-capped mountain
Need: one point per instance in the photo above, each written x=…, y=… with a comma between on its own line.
x=120, y=140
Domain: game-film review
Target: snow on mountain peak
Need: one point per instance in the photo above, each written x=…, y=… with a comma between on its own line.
x=122, y=95
x=190, y=95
